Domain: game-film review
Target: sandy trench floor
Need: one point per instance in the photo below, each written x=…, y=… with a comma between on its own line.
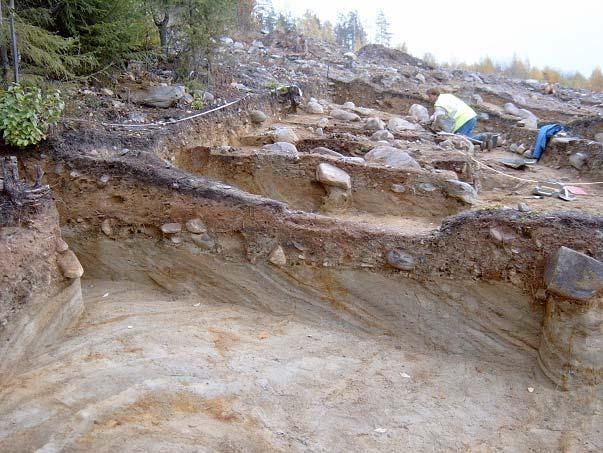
x=146, y=371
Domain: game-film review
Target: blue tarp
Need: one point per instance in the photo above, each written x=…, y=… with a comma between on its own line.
x=544, y=134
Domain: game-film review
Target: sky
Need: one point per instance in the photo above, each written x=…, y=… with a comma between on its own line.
x=565, y=35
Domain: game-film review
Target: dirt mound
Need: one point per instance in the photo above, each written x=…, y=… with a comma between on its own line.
x=377, y=53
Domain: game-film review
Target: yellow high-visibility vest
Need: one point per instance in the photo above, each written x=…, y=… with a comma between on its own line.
x=456, y=109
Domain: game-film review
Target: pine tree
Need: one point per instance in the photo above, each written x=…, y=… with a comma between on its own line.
x=285, y=23
x=266, y=16
x=349, y=32
x=383, y=35
x=200, y=24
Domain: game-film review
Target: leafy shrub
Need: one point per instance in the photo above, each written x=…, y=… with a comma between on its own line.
x=197, y=103
x=27, y=113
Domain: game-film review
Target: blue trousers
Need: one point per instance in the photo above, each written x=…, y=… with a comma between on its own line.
x=467, y=128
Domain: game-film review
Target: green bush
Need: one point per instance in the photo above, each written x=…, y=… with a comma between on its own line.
x=197, y=103
x=27, y=113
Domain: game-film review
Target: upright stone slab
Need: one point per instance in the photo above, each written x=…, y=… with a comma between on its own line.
x=573, y=274
x=571, y=346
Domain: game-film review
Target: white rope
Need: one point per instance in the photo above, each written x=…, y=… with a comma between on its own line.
x=158, y=124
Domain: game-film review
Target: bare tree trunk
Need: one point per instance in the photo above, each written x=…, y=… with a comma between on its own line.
x=13, y=40
x=162, y=25
x=3, y=52
x=18, y=190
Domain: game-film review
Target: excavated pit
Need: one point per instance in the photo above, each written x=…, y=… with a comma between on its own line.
x=277, y=324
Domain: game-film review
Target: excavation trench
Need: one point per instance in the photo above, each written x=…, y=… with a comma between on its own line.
x=272, y=324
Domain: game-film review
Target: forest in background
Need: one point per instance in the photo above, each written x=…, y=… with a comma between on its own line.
x=71, y=39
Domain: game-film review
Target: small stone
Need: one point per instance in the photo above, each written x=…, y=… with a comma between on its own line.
x=171, y=228
x=106, y=227
x=528, y=154
x=315, y=108
x=349, y=105
x=323, y=122
x=420, y=78
x=541, y=295
x=599, y=137
x=461, y=191
x=332, y=176
x=325, y=152
x=398, y=188
x=390, y=156
x=400, y=260
x=426, y=187
x=400, y=124
x=69, y=265
x=203, y=241
x=58, y=168
x=374, y=124
x=382, y=135
x=103, y=181
x=208, y=97
x=282, y=149
x=344, y=116
x=577, y=160
x=62, y=246
x=501, y=236
x=106, y=92
x=510, y=108
x=513, y=147
x=277, y=256
x=572, y=274
x=284, y=134
x=257, y=116
x=354, y=159
x=195, y=226
x=176, y=240
x=523, y=207
x=529, y=123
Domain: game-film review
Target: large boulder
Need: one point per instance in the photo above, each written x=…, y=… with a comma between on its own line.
x=344, y=116
x=419, y=113
x=282, y=149
x=330, y=175
x=573, y=274
x=400, y=124
x=392, y=157
x=158, y=96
